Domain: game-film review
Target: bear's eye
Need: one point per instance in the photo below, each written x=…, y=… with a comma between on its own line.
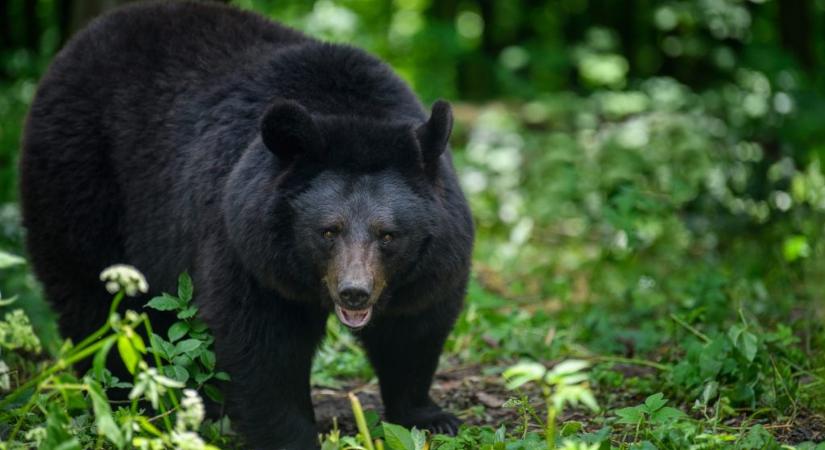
x=331, y=232
x=386, y=238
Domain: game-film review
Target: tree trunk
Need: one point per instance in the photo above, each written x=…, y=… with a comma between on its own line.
x=795, y=30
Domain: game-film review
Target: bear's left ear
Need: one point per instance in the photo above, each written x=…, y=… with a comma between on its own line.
x=288, y=130
x=434, y=135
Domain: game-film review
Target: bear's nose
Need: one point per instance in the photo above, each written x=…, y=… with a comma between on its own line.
x=354, y=297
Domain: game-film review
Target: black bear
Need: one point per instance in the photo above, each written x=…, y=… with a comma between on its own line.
x=291, y=178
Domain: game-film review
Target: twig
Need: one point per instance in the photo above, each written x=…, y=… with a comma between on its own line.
x=688, y=327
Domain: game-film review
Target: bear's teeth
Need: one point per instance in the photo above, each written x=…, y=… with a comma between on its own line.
x=353, y=318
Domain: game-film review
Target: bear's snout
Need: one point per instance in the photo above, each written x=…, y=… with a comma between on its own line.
x=354, y=297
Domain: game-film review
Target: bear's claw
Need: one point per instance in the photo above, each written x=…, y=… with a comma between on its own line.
x=433, y=419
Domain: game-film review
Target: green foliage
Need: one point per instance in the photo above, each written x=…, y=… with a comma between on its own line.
x=54, y=409
x=187, y=352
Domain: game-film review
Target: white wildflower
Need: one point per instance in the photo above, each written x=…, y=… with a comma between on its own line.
x=125, y=277
x=152, y=385
x=191, y=413
x=36, y=435
x=187, y=440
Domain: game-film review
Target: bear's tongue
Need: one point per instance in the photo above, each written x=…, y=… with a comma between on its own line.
x=353, y=318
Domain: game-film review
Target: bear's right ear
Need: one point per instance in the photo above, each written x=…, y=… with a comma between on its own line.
x=434, y=135
x=288, y=130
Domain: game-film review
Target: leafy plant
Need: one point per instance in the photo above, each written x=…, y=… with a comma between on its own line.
x=565, y=384
x=188, y=350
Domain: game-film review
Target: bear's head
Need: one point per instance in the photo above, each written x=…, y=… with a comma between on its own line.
x=340, y=209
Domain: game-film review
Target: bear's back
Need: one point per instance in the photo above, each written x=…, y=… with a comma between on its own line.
x=177, y=37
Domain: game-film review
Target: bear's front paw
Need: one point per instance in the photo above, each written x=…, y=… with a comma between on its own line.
x=430, y=418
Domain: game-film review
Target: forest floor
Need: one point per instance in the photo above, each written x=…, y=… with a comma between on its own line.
x=479, y=400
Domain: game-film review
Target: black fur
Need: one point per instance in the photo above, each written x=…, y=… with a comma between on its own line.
x=183, y=136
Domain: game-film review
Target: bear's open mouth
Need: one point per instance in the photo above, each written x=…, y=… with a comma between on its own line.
x=353, y=318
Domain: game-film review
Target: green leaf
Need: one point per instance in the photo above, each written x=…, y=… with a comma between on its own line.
x=746, y=342
x=9, y=260
x=182, y=360
x=710, y=392
x=176, y=373
x=137, y=343
x=213, y=393
x=185, y=287
x=57, y=424
x=188, y=313
x=207, y=357
x=655, y=402
x=223, y=376
x=99, y=361
x=201, y=378
x=523, y=373
x=749, y=346
x=106, y=425
x=419, y=438
x=631, y=415
x=398, y=437
x=667, y=414
x=127, y=353
x=569, y=366
x=177, y=331
x=187, y=346
x=164, y=349
x=734, y=332
x=165, y=302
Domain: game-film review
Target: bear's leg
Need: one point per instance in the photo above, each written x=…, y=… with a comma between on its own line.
x=404, y=352
x=267, y=345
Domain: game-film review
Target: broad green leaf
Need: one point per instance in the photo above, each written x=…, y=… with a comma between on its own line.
x=223, y=376
x=106, y=425
x=419, y=439
x=177, y=331
x=99, y=361
x=523, y=373
x=710, y=392
x=182, y=360
x=734, y=332
x=57, y=435
x=201, y=377
x=163, y=348
x=164, y=302
x=187, y=345
x=185, y=287
x=398, y=437
x=655, y=402
x=667, y=414
x=188, y=313
x=749, y=346
x=207, y=357
x=137, y=342
x=631, y=415
x=569, y=366
x=176, y=373
x=127, y=353
x=213, y=393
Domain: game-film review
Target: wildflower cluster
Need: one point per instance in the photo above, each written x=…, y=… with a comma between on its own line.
x=126, y=278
